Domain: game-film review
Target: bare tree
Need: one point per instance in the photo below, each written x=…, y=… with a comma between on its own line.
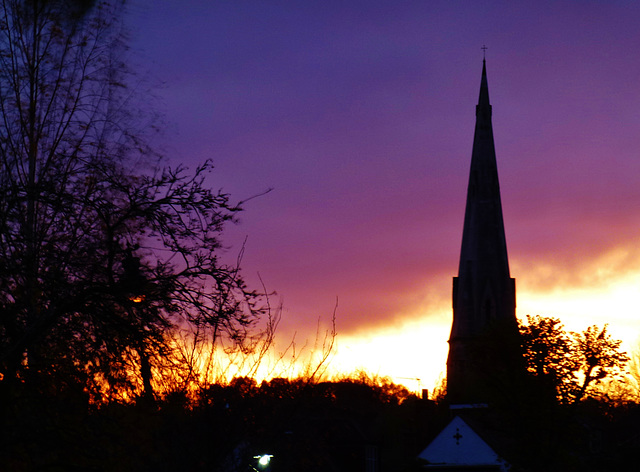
x=105, y=256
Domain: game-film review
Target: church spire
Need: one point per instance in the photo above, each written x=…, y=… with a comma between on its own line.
x=484, y=326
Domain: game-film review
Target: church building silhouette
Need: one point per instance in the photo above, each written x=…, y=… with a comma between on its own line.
x=485, y=366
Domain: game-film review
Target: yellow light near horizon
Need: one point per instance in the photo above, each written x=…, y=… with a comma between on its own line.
x=413, y=354
x=617, y=304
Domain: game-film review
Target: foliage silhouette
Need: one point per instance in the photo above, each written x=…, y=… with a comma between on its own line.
x=571, y=365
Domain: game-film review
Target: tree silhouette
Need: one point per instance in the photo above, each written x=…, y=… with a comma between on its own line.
x=105, y=255
x=599, y=357
x=570, y=363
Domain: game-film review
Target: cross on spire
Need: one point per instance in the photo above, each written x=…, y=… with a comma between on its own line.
x=484, y=52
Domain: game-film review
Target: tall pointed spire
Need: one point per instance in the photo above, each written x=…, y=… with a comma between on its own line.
x=483, y=100
x=484, y=331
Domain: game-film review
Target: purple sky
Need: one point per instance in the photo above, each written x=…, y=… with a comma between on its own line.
x=360, y=115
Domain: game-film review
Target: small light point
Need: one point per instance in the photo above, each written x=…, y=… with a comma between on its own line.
x=264, y=460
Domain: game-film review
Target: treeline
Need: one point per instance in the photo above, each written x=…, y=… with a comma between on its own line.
x=303, y=425
x=335, y=425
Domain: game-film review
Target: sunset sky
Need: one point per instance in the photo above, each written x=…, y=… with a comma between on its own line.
x=360, y=116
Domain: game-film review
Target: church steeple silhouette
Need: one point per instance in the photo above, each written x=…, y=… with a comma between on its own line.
x=484, y=344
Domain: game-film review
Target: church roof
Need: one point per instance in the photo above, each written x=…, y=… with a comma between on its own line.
x=459, y=445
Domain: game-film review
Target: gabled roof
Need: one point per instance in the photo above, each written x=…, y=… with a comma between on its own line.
x=458, y=445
